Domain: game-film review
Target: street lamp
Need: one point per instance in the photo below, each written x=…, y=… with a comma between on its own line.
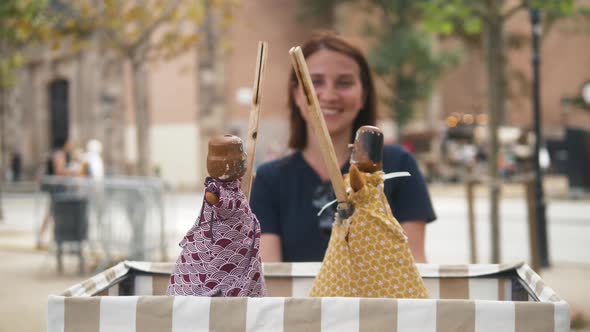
x=541, y=221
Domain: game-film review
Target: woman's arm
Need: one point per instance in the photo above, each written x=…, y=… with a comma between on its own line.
x=264, y=202
x=270, y=248
x=416, y=232
x=60, y=165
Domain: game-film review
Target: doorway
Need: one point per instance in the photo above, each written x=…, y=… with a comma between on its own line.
x=59, y=111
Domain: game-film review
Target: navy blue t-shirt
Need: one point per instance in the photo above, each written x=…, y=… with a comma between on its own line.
x=287, y=194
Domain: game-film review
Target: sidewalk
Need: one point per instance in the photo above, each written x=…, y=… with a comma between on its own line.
x=28, y=276
x=555, y=188
x=27, y=279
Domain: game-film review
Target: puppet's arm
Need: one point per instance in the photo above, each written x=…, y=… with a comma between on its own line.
x=211, y=198
x=212, y=193
x=356, y=180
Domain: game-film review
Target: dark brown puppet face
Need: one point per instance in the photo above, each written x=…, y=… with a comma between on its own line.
x=367, y=151
x=226, y=159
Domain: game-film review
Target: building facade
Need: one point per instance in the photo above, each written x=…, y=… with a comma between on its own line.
x=87, y=95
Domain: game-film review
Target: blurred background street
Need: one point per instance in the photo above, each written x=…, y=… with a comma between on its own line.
x=106, y=110
x=447, y=241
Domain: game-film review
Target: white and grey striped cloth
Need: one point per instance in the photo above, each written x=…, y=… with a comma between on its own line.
x=464, y=298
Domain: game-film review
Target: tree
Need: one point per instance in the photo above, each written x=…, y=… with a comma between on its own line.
x=321, y=13
x=403, y=56
x=401, y=52
x=488, y=18
x=20, y=23
x=212, y=88
x=138, y=32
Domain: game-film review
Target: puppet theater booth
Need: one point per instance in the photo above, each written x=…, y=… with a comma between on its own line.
x=479, y=297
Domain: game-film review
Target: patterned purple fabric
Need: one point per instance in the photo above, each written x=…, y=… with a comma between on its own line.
x=220, y=253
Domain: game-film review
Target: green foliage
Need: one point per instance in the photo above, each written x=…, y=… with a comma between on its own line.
x=138, y=30
x=21, y=22
x=404, y=57
x=455, y=15
x=579, y=20
x=402, y=54
x=319, y=12
x=579, y=102
x=20, y=19
x=8, y=65
x=449, y=16
x=467, y=17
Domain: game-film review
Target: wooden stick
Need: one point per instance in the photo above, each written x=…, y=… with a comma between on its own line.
x=318, y=124
x=535, y=259
x=254, y=116
x=470, y=186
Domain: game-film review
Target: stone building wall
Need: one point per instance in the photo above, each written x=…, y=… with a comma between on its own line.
x=29, y=125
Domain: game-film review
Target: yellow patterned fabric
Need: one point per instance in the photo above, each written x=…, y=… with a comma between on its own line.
x=368, y=254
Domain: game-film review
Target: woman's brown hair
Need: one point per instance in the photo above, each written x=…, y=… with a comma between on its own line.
x=367, y=114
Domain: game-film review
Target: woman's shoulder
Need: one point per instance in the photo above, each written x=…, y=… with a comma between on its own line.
x=395, y=157
x=279, y=166
x=57, y=152
x=394, y=151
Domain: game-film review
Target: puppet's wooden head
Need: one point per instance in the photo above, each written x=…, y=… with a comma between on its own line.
x=226, y=159
x=367, y=150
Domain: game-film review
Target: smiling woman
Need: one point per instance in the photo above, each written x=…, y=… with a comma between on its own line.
x=336, y=79
x=341, y=77
x=286, y=192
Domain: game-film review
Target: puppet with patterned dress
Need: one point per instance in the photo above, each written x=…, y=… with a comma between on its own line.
x=220, y=252
x=368, y=254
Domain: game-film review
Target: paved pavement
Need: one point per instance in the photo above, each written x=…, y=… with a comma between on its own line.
x=27, y=276
x=447, y=238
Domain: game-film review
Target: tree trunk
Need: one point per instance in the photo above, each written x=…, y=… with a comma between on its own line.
x=319, y=14
x=3, y=155
x=2, y=131
x=494, y=53
x=210, y=85
x=142, y=119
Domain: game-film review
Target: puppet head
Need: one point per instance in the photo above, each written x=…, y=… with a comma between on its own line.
x=226, y=159
x=367, y=151
x=367, y=155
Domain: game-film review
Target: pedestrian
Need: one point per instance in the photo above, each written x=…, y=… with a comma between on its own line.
x=93, y=159
x=59, y=163
x=16, y=166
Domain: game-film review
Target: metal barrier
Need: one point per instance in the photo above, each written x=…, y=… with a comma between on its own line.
x=119, y=217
